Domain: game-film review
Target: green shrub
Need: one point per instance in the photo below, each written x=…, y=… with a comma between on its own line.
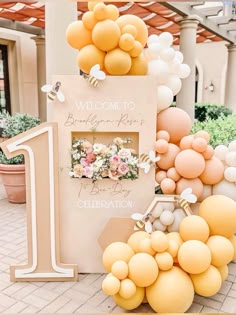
x=210, y=111
x=221, y=130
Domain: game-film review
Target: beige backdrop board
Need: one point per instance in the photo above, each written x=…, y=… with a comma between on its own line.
x=125, y=106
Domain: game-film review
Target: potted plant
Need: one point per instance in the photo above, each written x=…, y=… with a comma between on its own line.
x=13, y=170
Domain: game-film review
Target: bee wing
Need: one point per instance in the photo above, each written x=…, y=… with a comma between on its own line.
x=97, y=73
x=137, y=216
x=94, y=69
x=60, y=96
x=186, y=192
x=191, y=198
x=46, y=88
x=152, y=156
x=145, y=166
x=100, y=75
x=148, y=227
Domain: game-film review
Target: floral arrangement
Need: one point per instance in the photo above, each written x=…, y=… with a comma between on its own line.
x=98, y=161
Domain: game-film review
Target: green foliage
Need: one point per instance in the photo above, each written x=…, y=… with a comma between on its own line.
x=210, y=111
x=221, y=130
x=12, y=126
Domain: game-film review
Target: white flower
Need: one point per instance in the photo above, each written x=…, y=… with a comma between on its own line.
x=76, y=156
x=71, y=174
x=98, y=147
x=124, y=153
x=114, y=148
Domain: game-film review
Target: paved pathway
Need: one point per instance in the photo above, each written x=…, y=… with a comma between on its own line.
x=84, y=296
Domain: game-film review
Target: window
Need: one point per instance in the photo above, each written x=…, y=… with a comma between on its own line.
x=5, y=104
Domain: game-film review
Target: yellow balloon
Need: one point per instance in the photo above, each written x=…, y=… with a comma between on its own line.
x=159, y=241
x=131, y=303
x=142, y=31
x=77, y=35
x=222, y=250
x=220, y=213
x=194, y=256
x=224, y=271
x=100, y=11
x=173, y=248
x=117, y=62
x=145, y=247
x=89, y=20
x=126, y=42
x=116, y=251
x=136, y=50
x=127, y=289
x=111, y=285
x=120, y=269
x=194, y=227
x=164, y=261
x=172, y=292
x=112, y=12
x=135, y=239
x=130, y=29
x=106, y=35
x=91, y=4
x=139, y=66
x=143, y=269
x=233, y=241
x=207, y=283
x=89, y=56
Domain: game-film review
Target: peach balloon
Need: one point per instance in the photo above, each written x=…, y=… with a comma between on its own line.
x=176, y=237
x=139, y=66
x=91, y=4
x=175, y=121
x=194, y=183
x=77, y=35
x=145, y=247
x=222, y=250
x=160, y=175
x=162, y=134
x=89, y=20
x=161, y=146
x=202, y=134
x=189, y=163
x=117, y=62
x=112, y=12
x=208, y=153
x=224, y=271
x=136, y=50
x=168, y=186
x=100, y=11
x=233, y=242
x=135, y=239
x=194, y=227
x=142, y=31
x=106, y=35
x=199, y=144
x=186, y=142
x=88, y=56
x=130, y=29
x=213, y=172
x=168, y=159
x=173, y=174
x=207, y=191
x=126, y=42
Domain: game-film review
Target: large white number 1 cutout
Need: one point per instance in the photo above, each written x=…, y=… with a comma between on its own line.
x=40, y=148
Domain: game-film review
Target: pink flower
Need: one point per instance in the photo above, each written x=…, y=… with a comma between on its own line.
x=87, y=171
x=78, y=170
x=123, y=168
x=83, y=162
x=115, y=159
x=91, y=157
x=86, y=145
x=113, y=166
x=113, y=175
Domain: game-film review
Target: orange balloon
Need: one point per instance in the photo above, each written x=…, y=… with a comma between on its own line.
x=202, y=134
x=168, y=186
x=189, y=163
x=89, y=20
x=167, y=160
x=208, y=153
x=89, y=56
x=186, y=142
x=77, y=35
x=160, y=176
x=126, y=42
x=162, y=134
x=213, y=172
x=199, y=144
x=142, y=31
x=117, y=62
x=161, y=146
x=100, y=11
x=112, y=12
x=175, y=121
x=136, y=50
x=106, y=35
x=139, y=66
x=173, y=174
x=194, y=183
x=130, y=29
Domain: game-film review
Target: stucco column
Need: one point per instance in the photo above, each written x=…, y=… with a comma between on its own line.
x=41, y=75
x=188, y=29
x=60, y=57
x=230, y=85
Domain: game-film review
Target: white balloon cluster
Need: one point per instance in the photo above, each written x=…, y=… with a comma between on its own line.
x=166, y=64
x=228, y=156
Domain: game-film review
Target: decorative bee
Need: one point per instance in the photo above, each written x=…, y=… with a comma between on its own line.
x=53, y=92
x=142, y=222
x=148, y=160
x=94, y=75
x=185, y=198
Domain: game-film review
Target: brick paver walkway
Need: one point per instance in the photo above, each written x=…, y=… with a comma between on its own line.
x=84, y=296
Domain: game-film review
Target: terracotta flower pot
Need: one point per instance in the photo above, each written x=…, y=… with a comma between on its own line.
x=13, y=178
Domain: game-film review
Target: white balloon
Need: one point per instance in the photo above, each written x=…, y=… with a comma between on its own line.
x=175, y=66
x=157, y=211
x=154, y=50
x=166, y=39
x=167, y=205
x=158, y=225
x=164, y=97
x=179, y=56
x=167, y=54
x=221, y=151
x=179, y=214
x=152, y=39
x=230, y=174
x=230, y=158
x=225, y=188
x=232, y=146
x=147, y=54
x=160, y=69
x=174, y=83
x=207, y=191
x=167, y=217
x=184, y=71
